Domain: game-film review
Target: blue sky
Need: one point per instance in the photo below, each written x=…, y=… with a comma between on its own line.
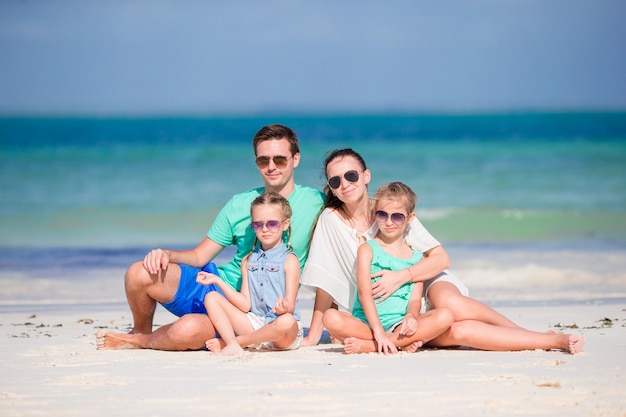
x=208, y=57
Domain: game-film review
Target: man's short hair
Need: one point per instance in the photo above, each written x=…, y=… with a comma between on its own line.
x=276, y=132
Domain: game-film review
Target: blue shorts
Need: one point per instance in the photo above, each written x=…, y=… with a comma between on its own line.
x=190, y=295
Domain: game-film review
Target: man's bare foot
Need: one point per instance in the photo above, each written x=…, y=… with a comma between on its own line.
x=576, y=343
x=106, y=339
x=230, y=349
x=413, y=347
x=352, y=345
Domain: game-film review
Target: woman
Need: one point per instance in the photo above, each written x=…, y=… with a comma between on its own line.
x=347, y=221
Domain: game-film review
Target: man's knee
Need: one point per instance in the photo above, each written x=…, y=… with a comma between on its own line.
x=194, y=328
x=136, y=276
x=138, y=281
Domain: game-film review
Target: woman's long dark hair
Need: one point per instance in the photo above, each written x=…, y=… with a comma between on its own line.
x=331, y=200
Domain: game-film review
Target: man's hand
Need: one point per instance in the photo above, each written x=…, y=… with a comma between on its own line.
x=156, y=260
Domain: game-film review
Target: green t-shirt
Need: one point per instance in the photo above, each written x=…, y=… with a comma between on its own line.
x=232, y=227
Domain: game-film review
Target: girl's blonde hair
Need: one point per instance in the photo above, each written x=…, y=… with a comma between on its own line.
x=399, y=192
x=274, y=199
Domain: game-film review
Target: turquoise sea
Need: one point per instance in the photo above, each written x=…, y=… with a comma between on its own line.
x=530, y=206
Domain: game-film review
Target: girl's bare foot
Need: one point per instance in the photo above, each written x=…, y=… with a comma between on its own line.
x=231, y=349
x=215, y=345
x=413, y=347
x=352, y=345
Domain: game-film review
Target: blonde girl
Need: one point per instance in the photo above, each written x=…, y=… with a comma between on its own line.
x=264, y=312
x=395, y=322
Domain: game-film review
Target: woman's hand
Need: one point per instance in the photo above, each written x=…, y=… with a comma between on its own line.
x=388, y=283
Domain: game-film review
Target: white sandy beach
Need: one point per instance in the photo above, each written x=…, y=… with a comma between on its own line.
x=50, y=366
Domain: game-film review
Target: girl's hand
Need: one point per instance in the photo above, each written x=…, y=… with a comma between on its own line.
x=409, y=325
x=384, y=343
x=388, y=283
x=205, y=278
x=282, y=306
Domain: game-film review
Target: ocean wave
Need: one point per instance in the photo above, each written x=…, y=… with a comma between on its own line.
x=522, y=225
x=494, y=273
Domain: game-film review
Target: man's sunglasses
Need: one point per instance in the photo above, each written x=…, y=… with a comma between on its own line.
x=279, y=160
x=350, y=176
x=272, y=225
x=396, y=218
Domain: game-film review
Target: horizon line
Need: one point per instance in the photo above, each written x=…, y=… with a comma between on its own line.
x=312, y=113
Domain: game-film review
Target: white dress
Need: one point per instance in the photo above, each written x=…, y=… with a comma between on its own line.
x=331, y=265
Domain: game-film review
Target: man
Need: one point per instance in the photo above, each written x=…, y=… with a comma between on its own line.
x=169, y=277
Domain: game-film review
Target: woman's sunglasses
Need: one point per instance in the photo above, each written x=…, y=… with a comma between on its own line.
x=272, y=225
x=396, y=218
x=350, y=176
x=279, y=160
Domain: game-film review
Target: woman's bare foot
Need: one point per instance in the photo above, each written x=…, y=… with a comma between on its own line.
x=352, y=345
x=106, y=339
